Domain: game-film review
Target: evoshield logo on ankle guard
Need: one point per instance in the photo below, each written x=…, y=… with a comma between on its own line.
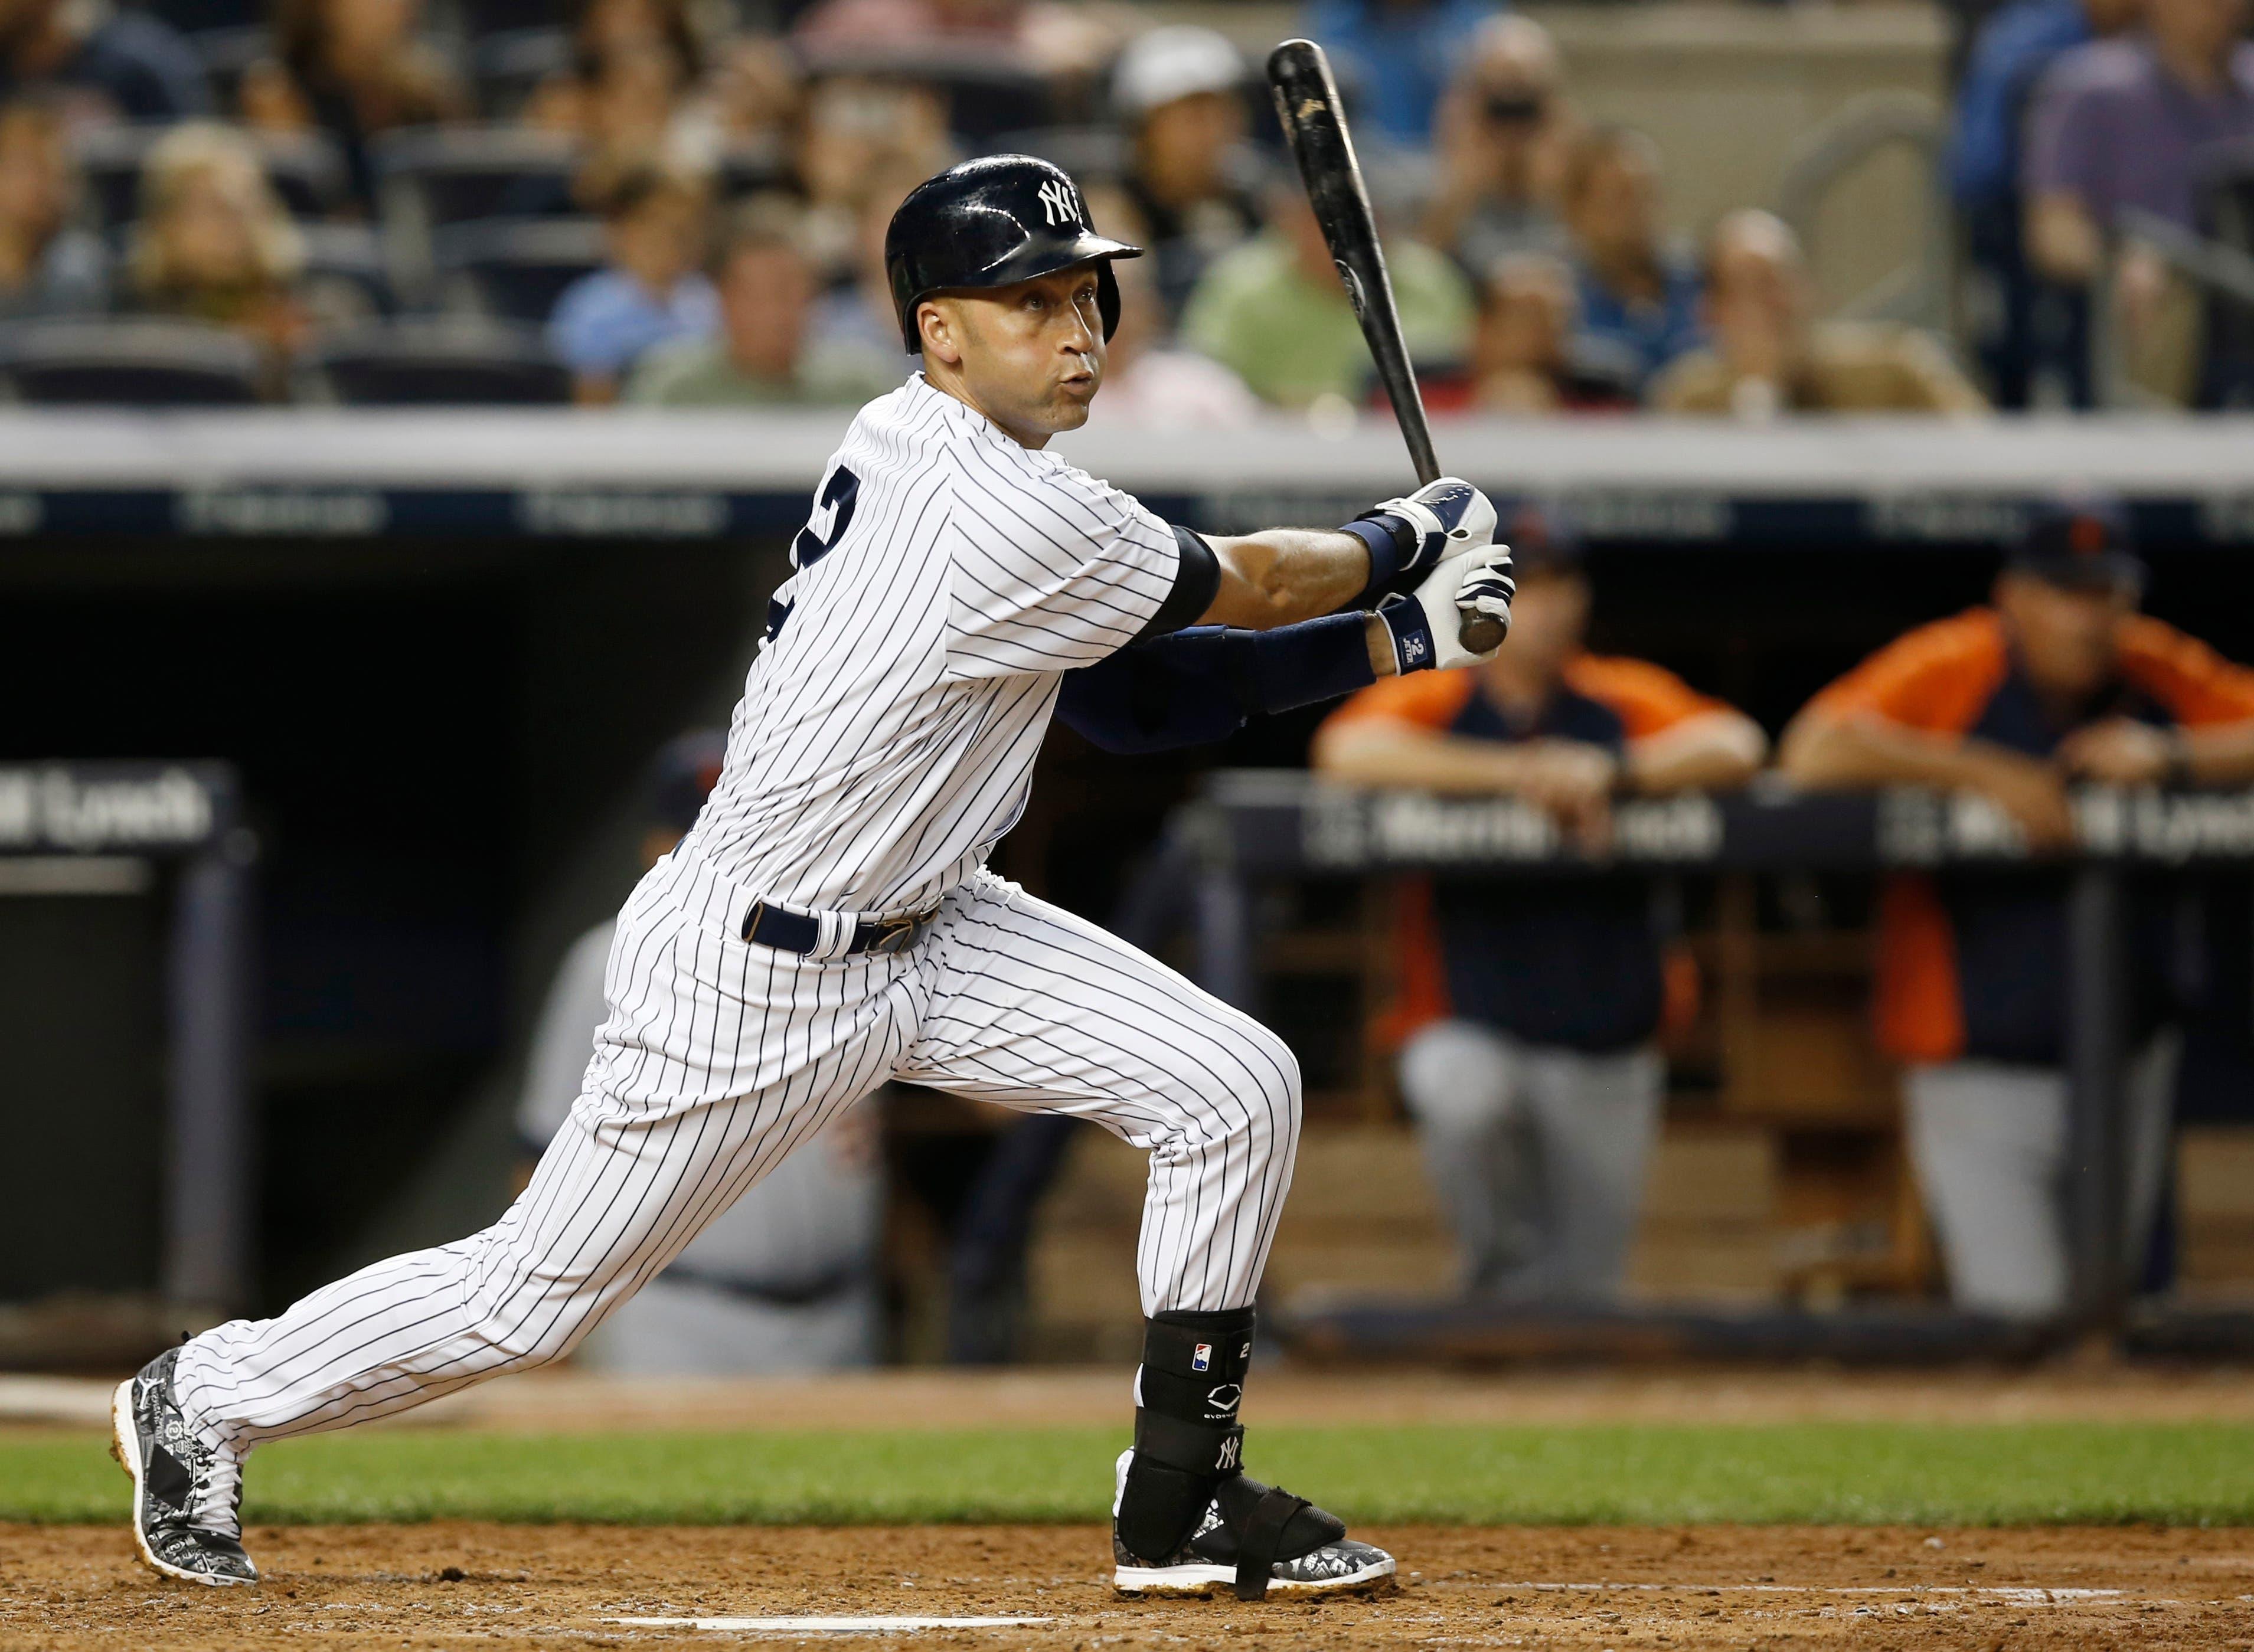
x=1202, y=1357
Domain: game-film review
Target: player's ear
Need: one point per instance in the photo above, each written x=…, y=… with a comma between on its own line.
x=939, y=328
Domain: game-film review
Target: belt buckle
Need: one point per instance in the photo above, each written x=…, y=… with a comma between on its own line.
x=751, y=918
x=899, y=934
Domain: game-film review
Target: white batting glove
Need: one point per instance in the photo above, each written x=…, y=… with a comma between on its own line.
x=1425, y=624
x=1437, y=521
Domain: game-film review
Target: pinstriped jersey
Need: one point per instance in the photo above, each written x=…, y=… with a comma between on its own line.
x=947, y=578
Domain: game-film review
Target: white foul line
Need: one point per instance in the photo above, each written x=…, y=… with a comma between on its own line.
x=826, y=1626
x=2032, y=1597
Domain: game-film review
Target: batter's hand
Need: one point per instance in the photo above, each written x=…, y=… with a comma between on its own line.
x=1425, y=623
x=1439, y=520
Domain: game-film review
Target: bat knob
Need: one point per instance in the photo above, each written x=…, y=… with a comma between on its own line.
x=1482, y=632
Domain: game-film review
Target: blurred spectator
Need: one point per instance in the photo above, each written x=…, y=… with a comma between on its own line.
x=1768, y=356
x=1394, y=58
x=785, y=1278
x=1533, y=1078
x=755, y=95
x=2023, y=328
x=760, y=356
x=2060, y=680
x=2119, y=124
x=1498, y=145
x=630, y=93
x=859, y=140
x=1044, y=36
x=48, y=265
x=103, y=65
x=1147, y=383
x=603, y=29
x=213, y=243
x=1273, y=312
x=1529, y=355
x=652, y=292
x=1635, y=288
x=624, y=106
x=1180, y=92
x=856, y=332
x=352, y=68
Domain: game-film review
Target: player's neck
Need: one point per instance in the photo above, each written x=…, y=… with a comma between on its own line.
x=947, y=382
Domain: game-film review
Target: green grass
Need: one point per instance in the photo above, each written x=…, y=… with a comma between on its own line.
x=1827, y=1472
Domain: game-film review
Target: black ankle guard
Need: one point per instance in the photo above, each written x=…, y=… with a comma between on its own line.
x=1188, y=1440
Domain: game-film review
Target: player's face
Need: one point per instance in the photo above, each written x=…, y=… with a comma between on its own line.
x=1028, y=356
x=1548, y=617
x=2066, y=637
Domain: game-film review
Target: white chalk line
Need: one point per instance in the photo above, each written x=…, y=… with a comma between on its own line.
x=2018, y=1595
x=887, y=1625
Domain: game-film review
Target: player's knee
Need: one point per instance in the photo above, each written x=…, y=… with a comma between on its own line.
x=1275, y=1121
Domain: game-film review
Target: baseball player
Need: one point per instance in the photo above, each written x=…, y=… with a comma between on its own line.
x=829, y=923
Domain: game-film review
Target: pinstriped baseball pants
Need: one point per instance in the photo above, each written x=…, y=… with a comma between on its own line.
x=718, y=1058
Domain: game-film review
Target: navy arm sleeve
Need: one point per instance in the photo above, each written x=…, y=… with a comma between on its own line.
x=1200, y=685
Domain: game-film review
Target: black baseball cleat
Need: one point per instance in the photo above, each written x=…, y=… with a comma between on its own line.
x=1308, y=1550
x=181, y=1525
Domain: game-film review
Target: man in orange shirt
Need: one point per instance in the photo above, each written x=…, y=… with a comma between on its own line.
x=1536, y=1089
x=2060, y=680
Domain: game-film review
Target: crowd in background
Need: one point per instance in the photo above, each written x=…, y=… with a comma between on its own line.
x=2093, y=140
x=683, y=205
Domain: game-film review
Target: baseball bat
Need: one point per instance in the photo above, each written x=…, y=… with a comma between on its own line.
x=1308, y=103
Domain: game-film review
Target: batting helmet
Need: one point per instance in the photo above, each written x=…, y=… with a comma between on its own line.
x=990, y=222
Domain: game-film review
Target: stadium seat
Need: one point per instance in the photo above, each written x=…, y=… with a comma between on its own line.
x=135, y=360
x=304, y=167
x=507, y=67
x=428, y=361
x=451, y=175
x=482, y=18
x=2225, y=206
x=199, y=17
x=431, y=179
x=1088, y=152
x=226, y=52
x=515, y=268
x=985, y=95
x=749, y=170
x=349, y=255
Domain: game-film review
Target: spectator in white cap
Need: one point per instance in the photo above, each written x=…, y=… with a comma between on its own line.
x=1180, y=93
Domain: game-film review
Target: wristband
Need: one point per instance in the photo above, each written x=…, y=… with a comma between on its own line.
x=1412, y=634
x=1383, y=532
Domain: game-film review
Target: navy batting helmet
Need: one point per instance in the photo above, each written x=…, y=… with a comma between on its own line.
x=990, y=222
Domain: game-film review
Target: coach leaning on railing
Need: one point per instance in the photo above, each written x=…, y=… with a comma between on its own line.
x=2060, y=679
x=1543, y=1030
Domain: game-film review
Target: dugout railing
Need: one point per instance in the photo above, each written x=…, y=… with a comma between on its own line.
x=1253, y=829
x=118, y=829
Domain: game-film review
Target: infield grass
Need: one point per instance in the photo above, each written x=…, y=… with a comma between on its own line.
x=1639, y=1475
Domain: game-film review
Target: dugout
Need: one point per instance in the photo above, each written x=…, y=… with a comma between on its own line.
x=437, y=648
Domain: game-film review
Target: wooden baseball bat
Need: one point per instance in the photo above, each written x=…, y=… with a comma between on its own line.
x=1308, y=103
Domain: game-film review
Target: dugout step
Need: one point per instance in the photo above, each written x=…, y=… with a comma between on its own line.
x=1473, y=1333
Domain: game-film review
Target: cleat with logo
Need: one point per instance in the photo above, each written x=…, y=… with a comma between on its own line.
x=185, y=1495
x=1306, y=1550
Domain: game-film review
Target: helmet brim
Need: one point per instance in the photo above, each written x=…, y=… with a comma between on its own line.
x=1030, y=262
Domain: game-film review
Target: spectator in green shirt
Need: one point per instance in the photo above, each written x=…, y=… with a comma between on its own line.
x=760, y=356
x=1273, y=311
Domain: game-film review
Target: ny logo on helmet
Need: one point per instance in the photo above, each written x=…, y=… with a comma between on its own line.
x=1058, y=205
